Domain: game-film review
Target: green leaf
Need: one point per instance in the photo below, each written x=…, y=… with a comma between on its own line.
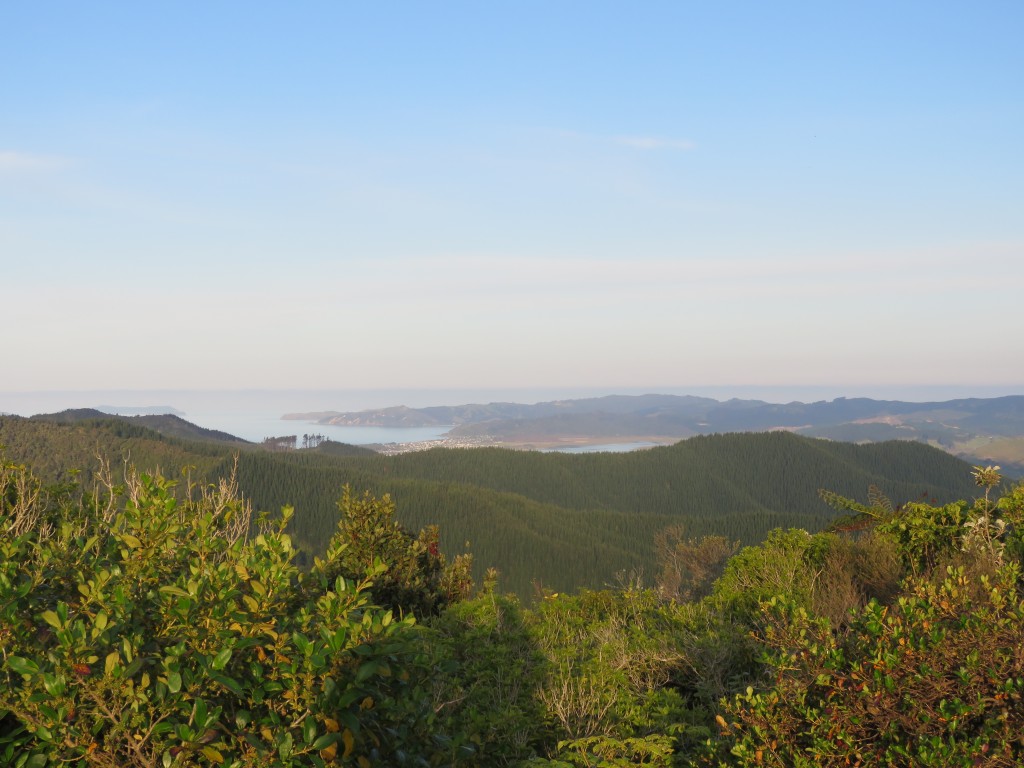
x=22, y=666
x=284, y=746
x=302, y=643
x=366, y=671
x=199, y=715
x=51, y=618
x=230, y=683
x=54, y=685
x=325, y=741
x=134, y=667
x=173, y=682
x=221, y=659
x=172, y=590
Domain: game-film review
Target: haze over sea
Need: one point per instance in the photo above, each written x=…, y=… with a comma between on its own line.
x=254, y=414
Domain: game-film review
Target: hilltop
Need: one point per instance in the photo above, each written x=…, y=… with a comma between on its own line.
x=167, y=424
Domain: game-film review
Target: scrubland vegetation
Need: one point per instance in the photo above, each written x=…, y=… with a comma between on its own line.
x=146, y=621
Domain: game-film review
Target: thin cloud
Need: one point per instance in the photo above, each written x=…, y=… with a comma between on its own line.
x=871, y=275
x=654, y=142
x=29, y=162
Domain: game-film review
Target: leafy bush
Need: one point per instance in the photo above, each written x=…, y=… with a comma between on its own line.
x=757, y=574
x=143, y=627
x=933, y=676
x=849, y=572
x=936, y=679
x=615, y=659
x=415, y=577
x=688, y=567
x=489, y=672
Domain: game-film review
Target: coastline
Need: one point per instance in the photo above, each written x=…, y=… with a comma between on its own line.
x=563, y=444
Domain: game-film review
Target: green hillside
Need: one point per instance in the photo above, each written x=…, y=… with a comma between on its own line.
x=166, y=424
x=563, y=521
x=54, y=447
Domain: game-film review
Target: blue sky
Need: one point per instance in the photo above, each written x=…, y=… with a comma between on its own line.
x=535, y=194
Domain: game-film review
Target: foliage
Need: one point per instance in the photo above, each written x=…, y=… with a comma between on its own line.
x=415, y=577
x=848, y=572
x=613, y=660
x=1010, y=509
x=935, y=679
x=489, y=672
x=926, y=534
x=719, y=655
x=757, y=574
x=688, y=567
x=155, y=624
x=930, y=676
x=141, y=629
x=587, y=679
x=610, y=752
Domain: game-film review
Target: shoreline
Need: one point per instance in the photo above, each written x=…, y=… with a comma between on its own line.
x=641, y=442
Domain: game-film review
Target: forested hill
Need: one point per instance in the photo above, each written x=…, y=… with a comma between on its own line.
x=57, y=446
x=562, y=520
x=759, y=472
x=575, y=520
x=167, y=424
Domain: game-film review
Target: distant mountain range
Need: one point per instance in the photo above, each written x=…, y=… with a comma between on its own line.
x=981, y=430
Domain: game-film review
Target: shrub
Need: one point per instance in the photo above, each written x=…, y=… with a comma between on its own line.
x=935, y=679
x=489, y=672
x=144, y=627
x=688, y=567
x=415, y=577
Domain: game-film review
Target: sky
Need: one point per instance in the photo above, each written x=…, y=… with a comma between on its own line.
x=248, y=195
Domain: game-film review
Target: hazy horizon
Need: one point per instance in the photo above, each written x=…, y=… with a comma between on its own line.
x=306, y=400
x=501, y=196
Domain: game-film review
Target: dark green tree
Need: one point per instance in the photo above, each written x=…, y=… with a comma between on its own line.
x=410, y=574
